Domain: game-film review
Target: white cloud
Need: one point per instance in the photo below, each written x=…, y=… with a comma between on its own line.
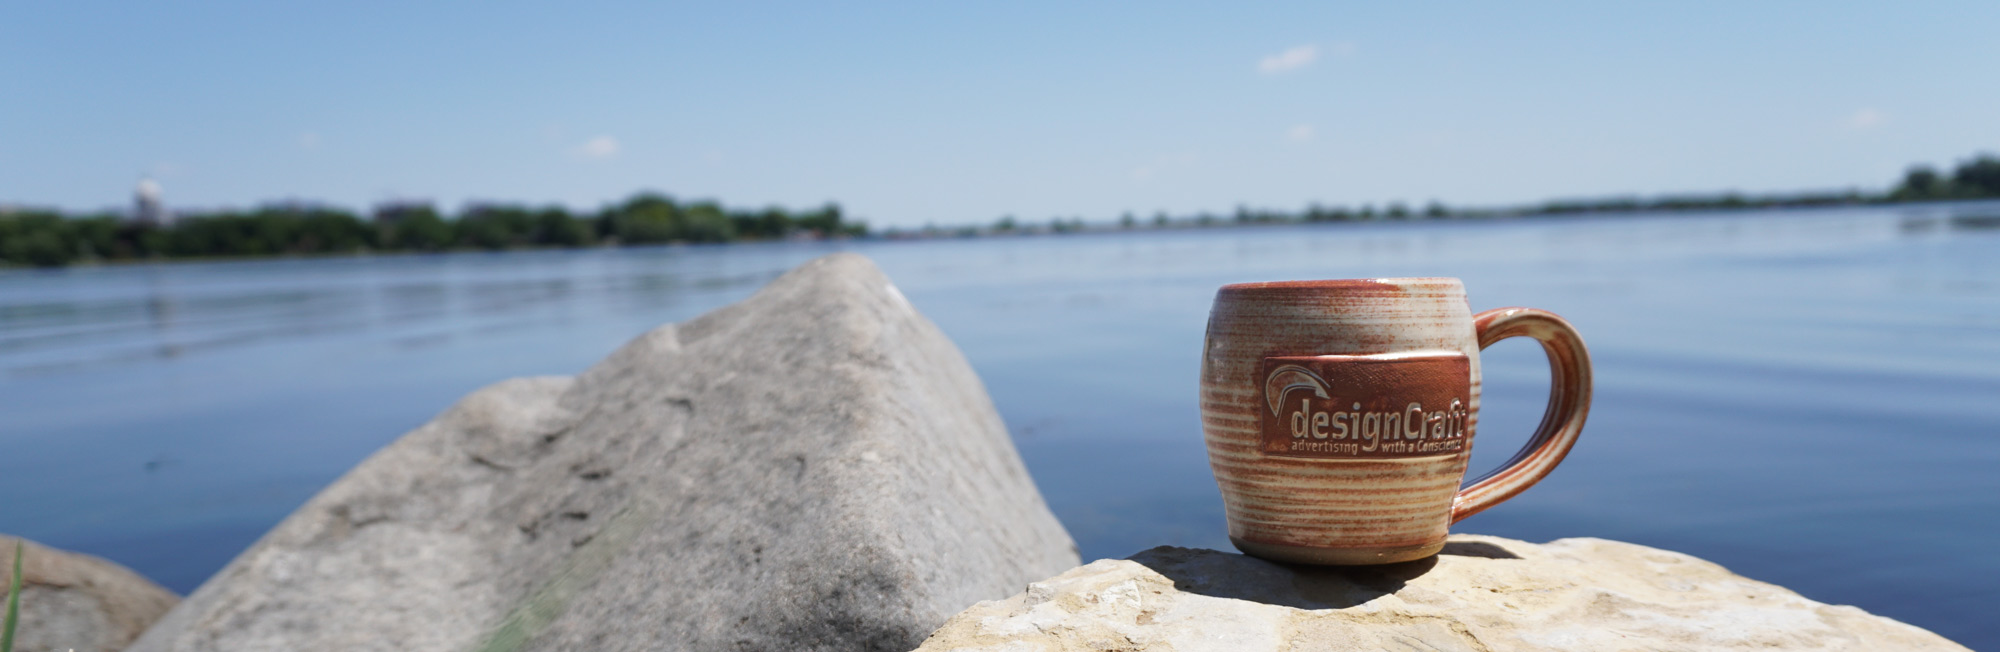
x=309, y=141
x=601, y=147
x=1300, y=133
x=1289, y=60
x=1866, y=118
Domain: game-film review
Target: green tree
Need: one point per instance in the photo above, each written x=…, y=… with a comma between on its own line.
x=212, y=234
x=744, y=223
x=828, y=221
x=271, y=229
x=325, y=230
x=225, y=234
x=1920, y=182
x=774, y=222
x=706, y=222
x=554, y=226
x=493, y=226
x=1979, y=177
x=419, y=228
x=39, y=238
x=97, y=237
x=647, y=218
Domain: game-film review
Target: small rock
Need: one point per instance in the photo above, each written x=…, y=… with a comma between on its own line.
x=1483, y=593
x=72, y=601
x=815, y=468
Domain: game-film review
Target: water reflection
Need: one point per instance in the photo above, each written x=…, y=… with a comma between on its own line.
x=123, y=315
x=414, y=302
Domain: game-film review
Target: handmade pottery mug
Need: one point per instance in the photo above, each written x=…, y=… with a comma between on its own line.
x=1339, y=415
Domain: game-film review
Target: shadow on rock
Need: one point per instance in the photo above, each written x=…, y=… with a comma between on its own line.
x=1242, y=577
x=1476, y=549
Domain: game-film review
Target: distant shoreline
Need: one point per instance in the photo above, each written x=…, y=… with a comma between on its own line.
x=45, y=238
x=1985, y=219
x=1185, y=224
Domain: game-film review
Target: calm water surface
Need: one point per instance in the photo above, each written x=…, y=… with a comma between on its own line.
x=1808, y=398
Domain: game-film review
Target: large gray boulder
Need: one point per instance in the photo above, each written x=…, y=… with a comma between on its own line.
x=815, y=468
x=72, y=601
x=1484, y=594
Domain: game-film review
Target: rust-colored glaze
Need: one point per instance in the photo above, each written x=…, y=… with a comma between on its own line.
x=1562, y=422
x=1280, y=356
x=1365, y=406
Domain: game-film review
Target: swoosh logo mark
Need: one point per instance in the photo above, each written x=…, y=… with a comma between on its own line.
x=1290, y=377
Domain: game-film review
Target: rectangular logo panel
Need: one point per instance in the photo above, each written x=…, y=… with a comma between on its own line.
x=1365, y=406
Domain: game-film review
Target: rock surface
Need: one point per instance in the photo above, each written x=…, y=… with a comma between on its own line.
x=815, y=467
x=1484, y=594
x=72, y=601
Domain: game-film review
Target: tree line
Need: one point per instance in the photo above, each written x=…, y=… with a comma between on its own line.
x=1974, y=178
x=50, y=238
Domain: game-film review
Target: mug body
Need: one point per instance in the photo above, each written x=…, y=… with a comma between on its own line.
x=1339, y=415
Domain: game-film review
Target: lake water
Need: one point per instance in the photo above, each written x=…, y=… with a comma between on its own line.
x=1810, y=398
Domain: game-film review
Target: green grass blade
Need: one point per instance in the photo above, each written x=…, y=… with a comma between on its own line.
x=13, y=603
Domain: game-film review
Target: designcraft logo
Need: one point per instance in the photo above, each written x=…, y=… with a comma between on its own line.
x=1365, y=406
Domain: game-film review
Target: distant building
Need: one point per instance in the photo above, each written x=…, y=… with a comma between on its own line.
x=147, y=208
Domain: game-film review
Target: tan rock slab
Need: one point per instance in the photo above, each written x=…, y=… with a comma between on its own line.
x=72, y=601
x=1485, y=594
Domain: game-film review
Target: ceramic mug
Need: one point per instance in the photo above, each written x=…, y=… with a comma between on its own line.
x=1340, y=414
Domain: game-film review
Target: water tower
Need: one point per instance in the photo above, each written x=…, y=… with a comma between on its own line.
x=146, y=205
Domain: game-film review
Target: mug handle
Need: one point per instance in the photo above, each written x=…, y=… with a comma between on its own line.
x=1569, y=403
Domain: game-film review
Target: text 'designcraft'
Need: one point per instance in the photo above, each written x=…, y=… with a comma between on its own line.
x=1341, y=406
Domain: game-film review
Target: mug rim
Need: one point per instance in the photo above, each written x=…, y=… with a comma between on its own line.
x=1347, y=283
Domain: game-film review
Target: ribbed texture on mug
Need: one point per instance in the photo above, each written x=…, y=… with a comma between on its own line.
x=1328, y=503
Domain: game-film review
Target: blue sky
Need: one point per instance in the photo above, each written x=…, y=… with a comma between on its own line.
x=954, y=113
